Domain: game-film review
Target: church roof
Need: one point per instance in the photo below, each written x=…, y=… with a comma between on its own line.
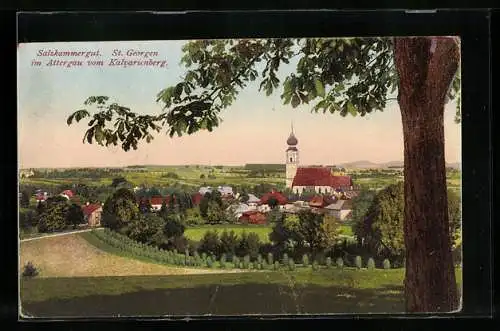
x=320, y=177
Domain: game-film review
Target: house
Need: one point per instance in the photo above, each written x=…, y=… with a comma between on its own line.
x=68, y=194
x=41, y=196
x=92, y=214
x=253, y=217
x=157, y=201
x=225, y=191
x=196, y=198
x=320, y=201
x=252, y=200
x=239, y=209
x=282, y=200
x=340, y=209
x=204, y=190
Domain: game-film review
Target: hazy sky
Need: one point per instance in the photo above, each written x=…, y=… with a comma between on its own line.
x=252, y=132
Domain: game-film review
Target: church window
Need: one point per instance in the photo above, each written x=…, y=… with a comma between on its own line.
x=291, y=160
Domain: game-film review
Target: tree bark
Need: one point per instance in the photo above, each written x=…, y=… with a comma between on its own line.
x=426, y=67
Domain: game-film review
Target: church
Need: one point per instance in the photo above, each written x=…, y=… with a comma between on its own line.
x=320, y=179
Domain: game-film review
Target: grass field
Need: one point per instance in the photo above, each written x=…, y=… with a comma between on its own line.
x=196, y=233
x=78, y=279
x=333, y=291
x=73, y=256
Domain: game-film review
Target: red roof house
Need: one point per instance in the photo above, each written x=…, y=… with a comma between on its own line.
x=92, y=214
x=68, y=193
x=282, y=200
x=320, y=201
x=253, y=217
x=196, y=198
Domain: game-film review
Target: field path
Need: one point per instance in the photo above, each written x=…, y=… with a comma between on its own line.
x=73, y=256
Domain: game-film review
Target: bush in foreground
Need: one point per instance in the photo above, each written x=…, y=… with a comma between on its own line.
x=30, y=270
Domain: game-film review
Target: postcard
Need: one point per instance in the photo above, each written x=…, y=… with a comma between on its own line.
x=232, y=177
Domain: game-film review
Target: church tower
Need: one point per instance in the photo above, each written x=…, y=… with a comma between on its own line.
x=292, y=159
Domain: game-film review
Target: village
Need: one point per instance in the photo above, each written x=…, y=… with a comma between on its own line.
x=321, y=190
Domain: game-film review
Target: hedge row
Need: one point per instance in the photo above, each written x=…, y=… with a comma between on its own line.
x=140, y=250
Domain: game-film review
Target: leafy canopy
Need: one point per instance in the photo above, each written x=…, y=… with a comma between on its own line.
x=342, y=75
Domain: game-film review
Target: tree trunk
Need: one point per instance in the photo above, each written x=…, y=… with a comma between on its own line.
x=426, y=68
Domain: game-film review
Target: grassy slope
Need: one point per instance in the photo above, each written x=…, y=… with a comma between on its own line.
x=72, y=256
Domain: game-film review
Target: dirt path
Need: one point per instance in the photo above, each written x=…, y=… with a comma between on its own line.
x=73, y=256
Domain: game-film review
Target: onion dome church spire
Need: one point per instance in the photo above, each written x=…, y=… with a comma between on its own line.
x=292, y=140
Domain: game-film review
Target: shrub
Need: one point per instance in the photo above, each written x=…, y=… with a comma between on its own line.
x=340, y=262
x=305, y=260
x=291, y=264
x=249, y=244
x=246, y=262
x=370, y=264
x=358, y=262
x=328, y=262
x=210, y=242
x=285, y=259
x=223, y=261
x=276, y=265
x=387, y=264
x=229, y=242
x=270, y=258
x=209, y=262
x=30, y=270
x=264, y=265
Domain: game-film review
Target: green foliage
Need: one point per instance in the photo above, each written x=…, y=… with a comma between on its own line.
x=382, y=229
x=215, y=213
x=370, y=264
x=29, y=270
x=210, y=243
x=119, y=209
x=339, y=262
x=360, y=206
x=54, y=215
x=310, y=229
x=285, y=259
x=236, y=261
x=193, y=216
x=249, y=244
x=358, y=262
x=173, y=227
x=210, y=262
x=146, y=229
x=246, y=262
x=270, y=258
x=290, y=263
x=305, y=260
x=222, y=261
x=229, y=242
x=328, y=262
x=387, y=264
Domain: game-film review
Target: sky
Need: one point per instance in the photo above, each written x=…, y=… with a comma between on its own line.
x=254, y=128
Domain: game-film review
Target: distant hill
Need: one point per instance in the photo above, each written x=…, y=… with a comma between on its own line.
x=365, y=164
